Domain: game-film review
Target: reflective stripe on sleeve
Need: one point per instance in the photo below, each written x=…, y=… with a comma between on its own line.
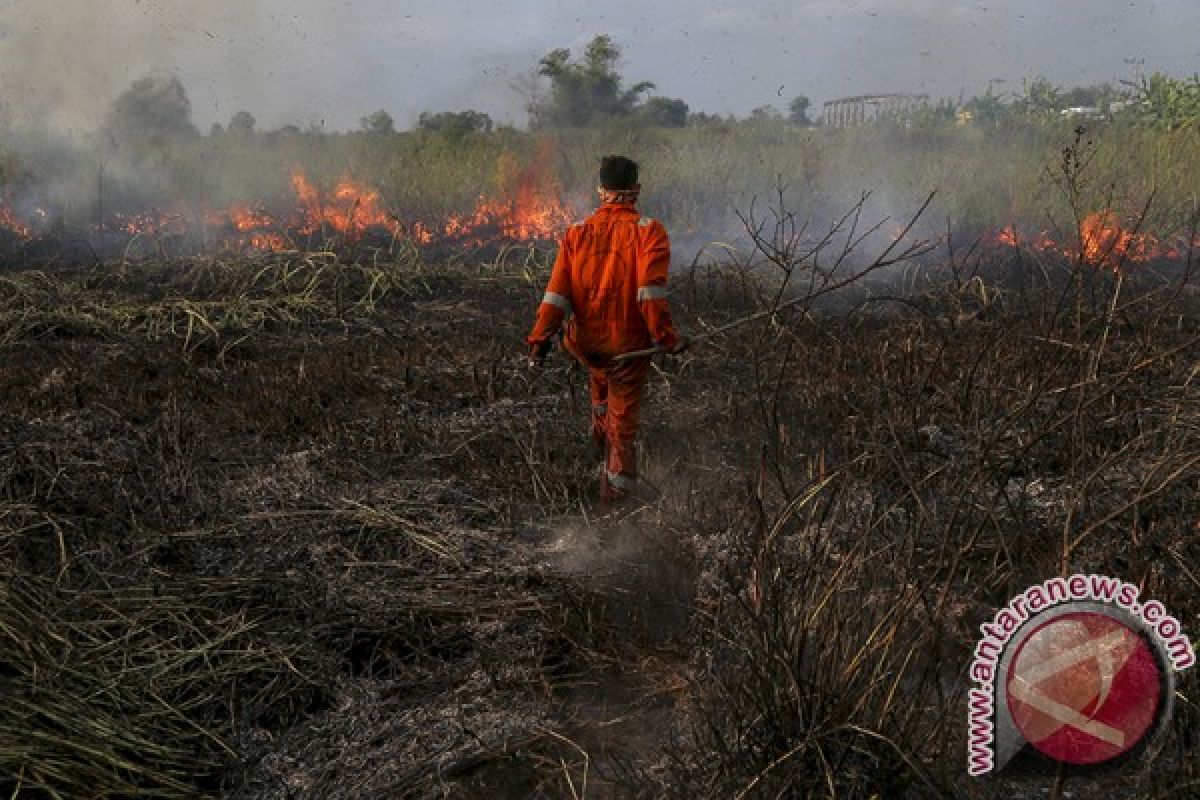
x=652, y=293
x=559, y=301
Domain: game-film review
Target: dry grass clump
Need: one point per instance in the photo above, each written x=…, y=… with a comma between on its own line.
x=133, y=691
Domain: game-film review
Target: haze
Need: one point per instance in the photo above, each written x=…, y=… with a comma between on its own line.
x=305, y=62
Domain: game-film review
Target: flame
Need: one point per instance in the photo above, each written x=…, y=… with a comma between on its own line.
x=1008, y=236
x=1103, y=242
x=152, y=224
x=528, y=204
x=421, y=234
x=254, y=228
x=245, y=218
x=525, y=205
x=10, y=222
x=350, y=210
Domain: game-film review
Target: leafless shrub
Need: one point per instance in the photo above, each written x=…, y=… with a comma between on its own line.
x=959, y=442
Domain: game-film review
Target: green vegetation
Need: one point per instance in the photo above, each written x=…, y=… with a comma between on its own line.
x=1170, y=103
x=991, y=159
x=455, y=123
x=587, y=90
x=695, y=177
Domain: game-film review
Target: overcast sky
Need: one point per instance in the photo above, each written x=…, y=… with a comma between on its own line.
x=303, y=61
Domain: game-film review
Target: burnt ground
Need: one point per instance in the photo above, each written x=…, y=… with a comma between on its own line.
x=305, y=526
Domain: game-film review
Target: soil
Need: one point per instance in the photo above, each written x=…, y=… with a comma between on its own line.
x=322, y=513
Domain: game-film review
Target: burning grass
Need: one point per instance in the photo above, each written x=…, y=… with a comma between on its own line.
x=527, y=205
x=303, y=525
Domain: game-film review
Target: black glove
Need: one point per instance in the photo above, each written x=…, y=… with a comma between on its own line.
x=537, y=353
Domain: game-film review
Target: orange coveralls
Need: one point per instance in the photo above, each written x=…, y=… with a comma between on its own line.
x=609, y=286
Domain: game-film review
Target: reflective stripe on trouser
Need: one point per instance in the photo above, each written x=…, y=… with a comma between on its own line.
x=619, y=391
x=620, y=482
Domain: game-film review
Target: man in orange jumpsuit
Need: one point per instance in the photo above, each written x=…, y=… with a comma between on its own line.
x=608, y=290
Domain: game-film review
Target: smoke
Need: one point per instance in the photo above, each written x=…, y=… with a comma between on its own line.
x=65, y=62
x=301, y=62
x=102, y=98
x=644, y=573
x=287, y=62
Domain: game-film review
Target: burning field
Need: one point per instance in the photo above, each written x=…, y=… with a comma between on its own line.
x=284, y=520
x=526, y=205
x=286, y=512
x=1104, y=240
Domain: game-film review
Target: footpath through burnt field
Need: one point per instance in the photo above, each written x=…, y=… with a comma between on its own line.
x=288, y=526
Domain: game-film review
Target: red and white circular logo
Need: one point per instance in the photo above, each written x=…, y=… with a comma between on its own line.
x=1084, y=688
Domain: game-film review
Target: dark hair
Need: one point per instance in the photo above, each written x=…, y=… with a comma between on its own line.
x=618, y=172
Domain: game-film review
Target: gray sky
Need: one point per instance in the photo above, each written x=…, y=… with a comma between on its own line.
x=301, y=61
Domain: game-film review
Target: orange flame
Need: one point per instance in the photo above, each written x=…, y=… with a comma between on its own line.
x=245, y=218
x=1106, y=243
x=10, y=222
x=152, y=224
x=1103, y=242
x=350, y=210
x=258, y=229
x=1041, y=242
x=1008, y=236
x=528, y=204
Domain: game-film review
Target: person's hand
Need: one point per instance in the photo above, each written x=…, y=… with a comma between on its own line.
x=537, y=354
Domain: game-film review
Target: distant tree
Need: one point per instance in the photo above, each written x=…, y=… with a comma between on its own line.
x=582, y=91
x=665, y=112
x=1169, y=102
x=765, y=113
x=378, y=122
x=702, y=118
x=1081, y=96
x=1040, y=97
x=987, y=108
x=798, y=111
x=455, y=123
x=216, y=130
x=284, y=132
x=930, y=117
x=241, y=122
x=153, y=109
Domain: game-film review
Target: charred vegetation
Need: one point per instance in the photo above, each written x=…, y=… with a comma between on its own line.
x=301, y=523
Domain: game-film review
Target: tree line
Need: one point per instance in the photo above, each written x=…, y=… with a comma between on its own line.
x=589, y=89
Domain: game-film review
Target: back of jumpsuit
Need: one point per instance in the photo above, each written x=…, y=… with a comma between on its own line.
x=609, y=287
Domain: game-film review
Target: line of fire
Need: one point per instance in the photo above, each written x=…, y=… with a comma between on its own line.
x=528, y=205
x=352, y=212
